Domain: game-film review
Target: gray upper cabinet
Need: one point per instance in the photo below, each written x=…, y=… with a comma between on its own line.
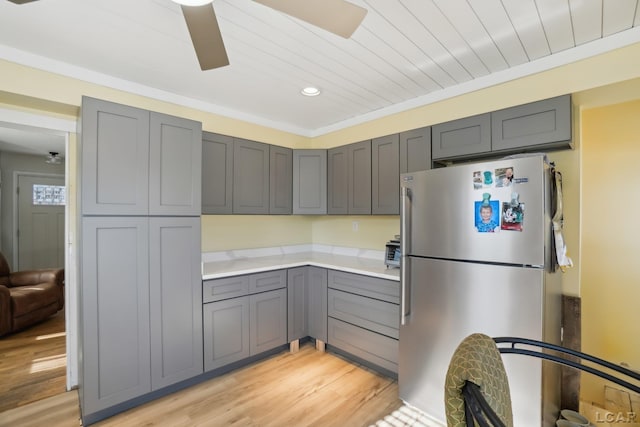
x=538, y=125
x=463, y=137
x=385, y=175
x=136, y=162
x=115, y=159
x=175, y=299
x=175, y=164
x=217, y=173
x=349, y=179
x=415, y=150
x=310, y=182
x=250, y=177
x=359, y=170
x=337, y=181
x=281, y=180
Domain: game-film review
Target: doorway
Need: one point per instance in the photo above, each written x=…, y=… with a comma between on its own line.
x=40, y=217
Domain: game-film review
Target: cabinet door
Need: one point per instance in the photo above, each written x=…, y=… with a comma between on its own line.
x=359, y=170
x=415, y=150
x=114, y=311
x=176, y=299
x=317, y=303
x=115, y=159
x=250, y=177
x=542, y=124
x=281, y=180
x=175, y=163
x=226, y=332
x=217, y=173
x=268, y=320
x=297, y=322
x=463, y=137
x=310, y=182
x=337, y=181
x=385, y=175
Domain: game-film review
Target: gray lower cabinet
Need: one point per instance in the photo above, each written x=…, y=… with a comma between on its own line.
x=385, y=175
x=280, y=180
x=307, y=303
x=349, y=179
x=538, y=125
x=226, y=332
x=309, y=182
x=463, y=137
x=297, y=303
x=217, y=174
x=267, y=320
x=175, y=299
x=137, y=162
x=243, y=316
x=415, y=150
x=250, y=177
x=115, y=360
x=141, y=314
x=363, y=318
x=317, y=303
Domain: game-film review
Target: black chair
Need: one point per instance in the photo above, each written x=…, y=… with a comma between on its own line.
x=470, y=400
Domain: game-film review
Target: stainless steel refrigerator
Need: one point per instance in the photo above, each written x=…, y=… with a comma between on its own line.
x=477, y=257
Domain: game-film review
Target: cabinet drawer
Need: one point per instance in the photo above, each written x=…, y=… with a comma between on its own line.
x=375, y=315
x=228, y=287
x=267, y=281
x=373, y=287
x=375, y=348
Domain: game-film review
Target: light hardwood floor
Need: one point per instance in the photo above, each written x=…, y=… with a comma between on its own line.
x=308, y=388
x=33, y=363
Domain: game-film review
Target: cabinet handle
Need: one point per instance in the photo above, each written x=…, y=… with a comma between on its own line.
x=405, y=244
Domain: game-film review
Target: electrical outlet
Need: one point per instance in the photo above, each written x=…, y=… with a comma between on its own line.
x=355, y=225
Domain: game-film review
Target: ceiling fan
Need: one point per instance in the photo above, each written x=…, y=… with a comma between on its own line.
x=336, y=16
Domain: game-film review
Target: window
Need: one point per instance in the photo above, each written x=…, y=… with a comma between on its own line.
x=49, y=195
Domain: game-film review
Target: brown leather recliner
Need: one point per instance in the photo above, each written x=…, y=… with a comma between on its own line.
x=28, y=297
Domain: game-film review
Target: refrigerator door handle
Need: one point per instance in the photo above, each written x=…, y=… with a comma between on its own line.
x=405, y=244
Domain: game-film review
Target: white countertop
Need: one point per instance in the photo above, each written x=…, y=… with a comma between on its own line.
x=231, y=263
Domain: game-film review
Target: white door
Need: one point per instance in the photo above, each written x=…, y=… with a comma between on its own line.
x=40, y=221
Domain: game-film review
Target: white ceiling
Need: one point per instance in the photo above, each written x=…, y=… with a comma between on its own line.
x=405, y=54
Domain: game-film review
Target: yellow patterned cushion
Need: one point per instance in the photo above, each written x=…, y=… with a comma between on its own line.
x=478, y=360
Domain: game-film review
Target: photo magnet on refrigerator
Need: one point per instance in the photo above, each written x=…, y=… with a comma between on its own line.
x=512, y=214
x=487, y=214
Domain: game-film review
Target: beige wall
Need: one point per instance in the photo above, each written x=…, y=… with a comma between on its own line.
x=610, y=286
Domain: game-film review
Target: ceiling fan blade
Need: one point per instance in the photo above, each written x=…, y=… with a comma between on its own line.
x=21, y=1
x=205, y=35
x=336, y=16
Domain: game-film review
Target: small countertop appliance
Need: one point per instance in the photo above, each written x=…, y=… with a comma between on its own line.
x=392, y=253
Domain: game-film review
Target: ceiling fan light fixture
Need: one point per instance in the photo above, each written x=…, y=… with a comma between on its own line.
x=310, y=91
x=192, y=2
x=53, y=158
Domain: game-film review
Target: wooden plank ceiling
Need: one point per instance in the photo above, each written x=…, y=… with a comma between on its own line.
x=404, y=52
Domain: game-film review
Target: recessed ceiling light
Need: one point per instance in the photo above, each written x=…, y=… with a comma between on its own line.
x=192, y=2
x=310, y=91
